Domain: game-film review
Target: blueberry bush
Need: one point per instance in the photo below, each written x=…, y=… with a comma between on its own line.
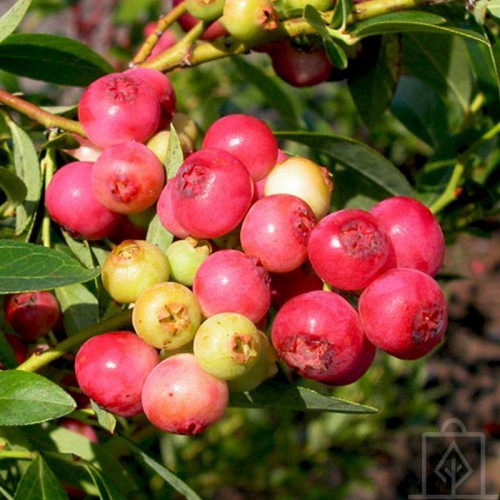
x=145, y=242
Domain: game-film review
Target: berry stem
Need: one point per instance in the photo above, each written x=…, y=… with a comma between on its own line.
x=38, y=114
x=48, y=166
x=163, y=23
x=17, y=454
x=452, y=191
x=37, y=361
x=210, y=51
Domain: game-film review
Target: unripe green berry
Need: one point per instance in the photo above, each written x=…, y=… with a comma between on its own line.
x=227, y=345
x=185, y=257
x=131, y=267
x=206, y=10
x=166, y=315
x=249, y=20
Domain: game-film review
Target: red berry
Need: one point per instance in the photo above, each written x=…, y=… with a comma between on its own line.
x=32, y=314
x=128, y=178
x=231, y=281
x=284, y=286
x=166, y=213
x=348, y=249
x=182, y=398
x=111, y=369
x=404, y=313
x=110, y=106
x=246, y=137
x=71, y=202
x=319, y=335
x=164, y=91
x=414, y=231
x=212, y=191
x=276, y=230
x=298, y=65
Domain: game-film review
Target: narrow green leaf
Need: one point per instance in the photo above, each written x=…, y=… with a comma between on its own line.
x=80, y=248
x=39, y=483
x=13, y=187
x=357, y=156
x=403, y=22
x=28, y=398
x=441, y=62
x=421, y=111
x=158, y=235
x=106, y=420
x=13, y=17
x=79, y=307
x=486, y=65
x=28, y=170
x=163, y=472
x=27, y=267
x=333, y=50
x=398, y=22
x=52, y=58
x=273, y=394
x=372, y=86
x=341, y=12
x=335, y=53
x=106, y=488
x=272, y=91
x=175, y=156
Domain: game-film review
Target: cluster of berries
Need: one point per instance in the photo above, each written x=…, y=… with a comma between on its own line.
x=260, y=272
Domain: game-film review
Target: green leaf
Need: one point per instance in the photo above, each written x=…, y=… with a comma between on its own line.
x=479, y=10
x=421, y=111
x=106, y=488
x=28, y=267
x=52, y=58
x=335, y=52
x=494, y=8
x=12, y=18
x=441, y=62
x=341, y=12
x=175, y=156
x=80, y=308
x=106, y=420
x=13, y=187
x=28, y=398
x=372, y=83
x=158, y=235
x=163, y=472
x=486, y=65
x=356, y=156
x=272, y=90
x=28, y=170
x=273, y=394
x=39, y=483
x=401, y=22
